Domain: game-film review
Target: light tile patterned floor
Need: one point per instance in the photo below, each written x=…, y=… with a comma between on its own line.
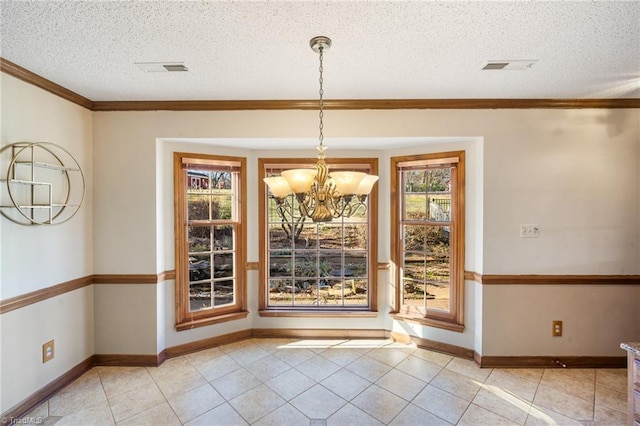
x=335, y=382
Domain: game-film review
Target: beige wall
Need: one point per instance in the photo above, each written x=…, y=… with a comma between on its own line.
x=573, y=172
x=64, y=252
x=125, y=319
x=596, y=319
x=37, y=257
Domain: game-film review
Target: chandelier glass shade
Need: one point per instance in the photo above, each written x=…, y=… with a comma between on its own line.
x=321, y=196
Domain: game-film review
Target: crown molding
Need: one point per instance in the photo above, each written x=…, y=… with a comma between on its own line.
x=24, y=74
x=361, y=104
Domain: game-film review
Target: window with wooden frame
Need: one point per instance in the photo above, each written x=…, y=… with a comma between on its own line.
x=427, y=229
x=210, y=224
x=309, y=268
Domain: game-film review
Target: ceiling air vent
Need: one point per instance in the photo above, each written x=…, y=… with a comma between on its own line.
x=495, y=65
x=512, y=65
x=162, y=66
x=173, y=68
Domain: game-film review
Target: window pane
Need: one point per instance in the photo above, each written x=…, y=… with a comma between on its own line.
x=358, y=294
x=199, y=239
x=223, y=237
x=342, y=290
x=414, y=293
x=358, y=212
x=438, y=272
x=275, y=210
x=199, y=267
x=330, y=292
x=355, y=236
x=415, y=206
x=414, y=266
x=330, y=235
x=440, y=207
x=306, y=264
x=223, y=292
x=220, y=181
x=280, y=292
x=197, y=180
x=223, y=265
x=414, y=237
x=305, y=292
x=415, y=181
x=439, y=179
x=438, y=240
x=438, y=297
x=278, y=237
x=307, y=236
x=330, y=263
x=280, y=264
x=199, y=296
x=198, y=207
x=295, y=208
x=221, y=206
x=355, y=264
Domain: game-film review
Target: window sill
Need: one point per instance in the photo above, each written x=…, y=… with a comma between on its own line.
x=429, y=322
x=317, y=314
x=188, y=325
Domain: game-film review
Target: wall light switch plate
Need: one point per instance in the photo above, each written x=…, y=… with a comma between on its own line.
x=48, y=351
x=529, y=231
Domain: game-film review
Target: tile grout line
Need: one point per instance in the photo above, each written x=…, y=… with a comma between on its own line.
x=441, y=368
x=161, y=393
x=113, y=417
x=227, y=401
x=166, y=399
x=595, y=396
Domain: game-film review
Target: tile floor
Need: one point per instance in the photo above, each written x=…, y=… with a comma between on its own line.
x=335, y=382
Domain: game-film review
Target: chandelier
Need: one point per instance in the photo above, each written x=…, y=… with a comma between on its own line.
x=320, y=195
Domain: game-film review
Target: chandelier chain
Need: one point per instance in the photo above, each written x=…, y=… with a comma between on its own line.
x=321, y=114
x=319, y=195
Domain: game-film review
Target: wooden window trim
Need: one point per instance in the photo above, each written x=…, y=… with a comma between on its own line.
x=454, y=320
x=263, y=294
x=273, y=312
x=184, y=319
x=429, y=322
x=217, y=319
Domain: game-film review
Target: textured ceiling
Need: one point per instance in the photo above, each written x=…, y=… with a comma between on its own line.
x=381, y=50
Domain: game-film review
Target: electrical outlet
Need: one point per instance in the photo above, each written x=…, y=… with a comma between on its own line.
x=557, y=329
x=529, y=231
x=48, y=351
